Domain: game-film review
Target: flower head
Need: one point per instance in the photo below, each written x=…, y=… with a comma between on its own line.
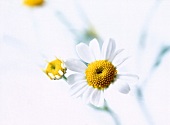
x=55, y=69
x=33, y=2
x=98, y=73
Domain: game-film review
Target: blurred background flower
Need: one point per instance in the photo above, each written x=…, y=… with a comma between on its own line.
x=30, y=35
x=33, y=2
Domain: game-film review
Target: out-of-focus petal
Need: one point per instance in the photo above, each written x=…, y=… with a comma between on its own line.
x=75, y=65
x=127, y=77
x=95, y=48
x=97, y=98
x=123, y=87
x=115, y=54
x=85, y=53
x=108, y=49
x=87, y=94
x=118, y=63
x=73, y=78
x=77, y=87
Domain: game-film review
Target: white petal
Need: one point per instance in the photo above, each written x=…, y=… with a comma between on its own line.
x=118, y=63
x=108, y=49
x=77, y=87
x=84, y=53
x=115, y=54
x=94, y=46
x=51, y=75
x=60, y=72
x=73, y=78
x=87, y=94
x=75, y=65
x=123, y=87
x=80, y=92
x=128, y=77
x=97, y=98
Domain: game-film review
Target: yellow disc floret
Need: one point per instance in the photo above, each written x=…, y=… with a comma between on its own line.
x=33, y=2
x=100, y=74
x=55, y=69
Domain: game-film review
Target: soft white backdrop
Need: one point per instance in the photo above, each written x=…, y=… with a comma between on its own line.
x=29, y=36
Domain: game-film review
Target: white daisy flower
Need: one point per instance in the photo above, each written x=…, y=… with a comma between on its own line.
x=90, y=81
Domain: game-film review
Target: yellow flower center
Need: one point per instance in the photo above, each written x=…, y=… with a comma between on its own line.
x=100, y=74
x=33, y=2
x=55, y=69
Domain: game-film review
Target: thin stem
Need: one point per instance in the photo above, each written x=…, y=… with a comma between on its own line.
x=68, y=24
x=144, y=108
x=65, y=78
x=141, y=101
x=149, y=17
x=113, y=114
x=140, y=90
x=107, y=109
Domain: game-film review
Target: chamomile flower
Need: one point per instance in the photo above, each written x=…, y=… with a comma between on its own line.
x=55, y=69
x=97, y=72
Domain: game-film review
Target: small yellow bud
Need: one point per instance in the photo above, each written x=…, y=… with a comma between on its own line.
x=55, y=69
x=33, y=2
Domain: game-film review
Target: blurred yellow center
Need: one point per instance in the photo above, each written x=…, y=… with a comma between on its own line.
x=55, y=69
x=100, y=74
x=33, y=2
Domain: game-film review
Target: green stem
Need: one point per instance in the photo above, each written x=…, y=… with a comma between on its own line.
x=65, y=78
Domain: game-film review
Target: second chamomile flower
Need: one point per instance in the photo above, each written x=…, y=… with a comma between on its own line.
x=55, y=69
x=98, y=72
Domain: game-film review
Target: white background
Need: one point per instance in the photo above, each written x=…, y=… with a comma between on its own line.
x=29, y=36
